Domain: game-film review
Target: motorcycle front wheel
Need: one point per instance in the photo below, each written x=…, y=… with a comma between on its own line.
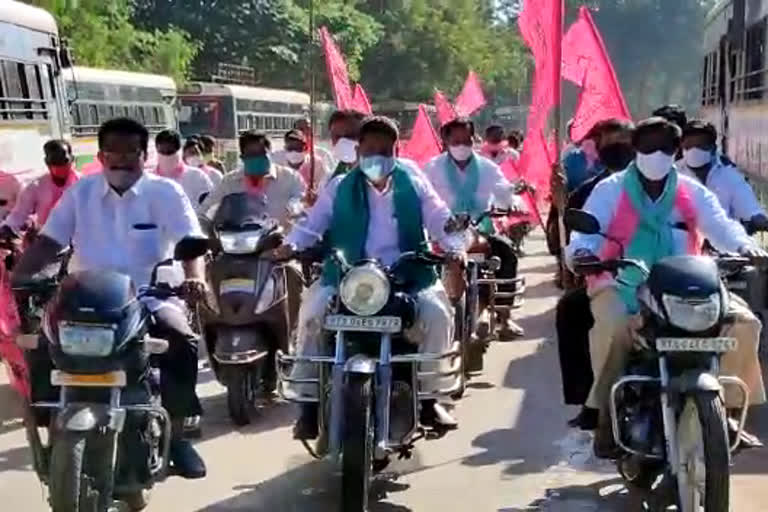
x=242, y=382
x=704, y=453
x=80, y=472
x=357, y=458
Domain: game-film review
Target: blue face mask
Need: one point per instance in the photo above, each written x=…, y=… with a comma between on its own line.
x=376, y=167
x=256, y=165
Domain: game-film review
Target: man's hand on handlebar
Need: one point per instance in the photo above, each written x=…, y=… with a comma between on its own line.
x=453, y=276
x=193, y=290
x=758, y=256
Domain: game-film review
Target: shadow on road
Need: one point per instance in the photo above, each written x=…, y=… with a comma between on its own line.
x=10, y=413
x=602, y=496
x=16, y=459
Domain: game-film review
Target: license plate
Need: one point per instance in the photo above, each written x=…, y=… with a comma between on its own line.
x=364, y=324
x=477, y=257
x=696, y=344
x=737, y=285
x=237, y=286
x=101, y=380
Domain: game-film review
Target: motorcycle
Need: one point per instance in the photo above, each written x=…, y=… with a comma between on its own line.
x=368, y=393
x=108, y=435
x=667, y=412
x=252, y=314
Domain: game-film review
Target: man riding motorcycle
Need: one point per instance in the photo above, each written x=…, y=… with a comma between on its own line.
x=378, y=210
x=702, y=161
x=126, y=220
x=653, y=212
x=471, y=184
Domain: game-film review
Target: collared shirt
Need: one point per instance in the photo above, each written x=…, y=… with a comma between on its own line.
x=731, y=188
x=129, y=234
x=722, y=232
x=194, y=181
x=321, y=175
x=502, y=155
x=281, y=186
x=36, y=199
x=492, y=187
x=382, y=241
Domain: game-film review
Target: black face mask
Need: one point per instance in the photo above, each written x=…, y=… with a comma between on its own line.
x=616, y=156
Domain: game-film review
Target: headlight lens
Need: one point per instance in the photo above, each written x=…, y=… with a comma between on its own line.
x=240, y=243
x=86, y=340
x=365, y=290
x=693, y=315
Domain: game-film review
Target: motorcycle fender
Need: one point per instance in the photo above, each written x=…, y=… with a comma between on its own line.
x=692, y=381
x=86, y=417
x=240, y=345
x=360, y=364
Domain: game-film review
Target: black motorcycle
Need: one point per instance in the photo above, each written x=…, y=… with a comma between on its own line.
x=667, y=412
x=109, y=437
x=252, y=317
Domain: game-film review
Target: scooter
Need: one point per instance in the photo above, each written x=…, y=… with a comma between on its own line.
x=369, y=392
x=109, y=437
x=667, y=413
x=252, y=318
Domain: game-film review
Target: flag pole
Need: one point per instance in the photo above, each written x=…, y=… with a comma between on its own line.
x=557, y=56
x=312, y=94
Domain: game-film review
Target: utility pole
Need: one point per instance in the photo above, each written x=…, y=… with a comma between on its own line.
x=312, y=93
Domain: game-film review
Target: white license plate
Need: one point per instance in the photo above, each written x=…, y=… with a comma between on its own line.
x=696, y=344
x=477, y=257
x=737, y=285
x=102, y=380
x=364, y=324
x=237, y=286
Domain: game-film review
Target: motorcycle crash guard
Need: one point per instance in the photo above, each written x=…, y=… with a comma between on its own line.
x=240, y=345
x=692, y=381
x=86, y=417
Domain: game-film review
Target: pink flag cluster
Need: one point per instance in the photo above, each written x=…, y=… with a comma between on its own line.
x=346, y=97
x=10, y=352
x=424, y=143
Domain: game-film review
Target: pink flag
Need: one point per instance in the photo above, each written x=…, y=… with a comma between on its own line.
x=540, y=24
x=445, y=111
x=337, y=71
x=424, y=143
x=360, y=101
x=471, y=99
x=11, y=354
x=587, y=64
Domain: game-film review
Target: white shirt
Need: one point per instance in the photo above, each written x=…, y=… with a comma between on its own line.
x=731, y=188
x=723, y=233
x=195, y=183
x=129, y=234
x=493, y=188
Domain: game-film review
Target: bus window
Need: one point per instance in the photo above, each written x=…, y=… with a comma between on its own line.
x=260, y=122
x=156, y=115
x=270, y=123
x=51, y=81
x=93, y=115
x=213, y=115
x=104, y=114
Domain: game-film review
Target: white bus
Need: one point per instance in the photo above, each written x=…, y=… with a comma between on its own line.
x=97, y=95
x=224, y=111
x=32, y=93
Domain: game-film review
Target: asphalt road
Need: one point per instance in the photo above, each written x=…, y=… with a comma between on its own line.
x=512, y=453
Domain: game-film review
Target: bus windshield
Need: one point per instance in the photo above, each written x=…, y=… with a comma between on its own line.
x=207, y=114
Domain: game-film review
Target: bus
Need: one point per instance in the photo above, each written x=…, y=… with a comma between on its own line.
x=224, y=111
x=32, y=93
x=97, y=95
x=404, y=113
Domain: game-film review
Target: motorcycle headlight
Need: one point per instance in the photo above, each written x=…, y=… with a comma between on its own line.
x=240, y=243
x=364, y=290
x=86, y=340
x=693, y=315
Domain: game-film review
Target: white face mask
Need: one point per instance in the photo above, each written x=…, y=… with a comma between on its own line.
x=697, y=157
x=294, y=157
x=460, y=153
x=654, y=166
x=194, y=161
x=167, y=163
x=345, y=150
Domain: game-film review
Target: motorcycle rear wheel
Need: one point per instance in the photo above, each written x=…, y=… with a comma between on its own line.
x=241, y=382
x=357, y=459
x=704, y=455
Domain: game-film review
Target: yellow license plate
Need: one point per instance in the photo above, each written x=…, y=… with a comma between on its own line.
x=101, y=380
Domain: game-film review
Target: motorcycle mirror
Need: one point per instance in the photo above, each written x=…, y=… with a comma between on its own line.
x=191, y=247
x=581, y=222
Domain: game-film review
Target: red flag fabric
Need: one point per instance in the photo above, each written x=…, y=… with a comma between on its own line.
x=360, y=101
x=540, y=25
x=471, y=99
x=337, y=71
x=445, y=111
x=11, y=354
x=587, y=64
x=424, y=143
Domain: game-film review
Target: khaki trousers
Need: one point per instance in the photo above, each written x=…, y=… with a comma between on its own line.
x=610, y=344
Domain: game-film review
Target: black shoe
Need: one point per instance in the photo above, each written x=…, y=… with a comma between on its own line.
x=604, y=445
x=306, y=427
x=586, y=420
x=185, y=460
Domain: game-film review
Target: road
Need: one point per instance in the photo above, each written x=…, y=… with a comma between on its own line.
x=513, y=452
